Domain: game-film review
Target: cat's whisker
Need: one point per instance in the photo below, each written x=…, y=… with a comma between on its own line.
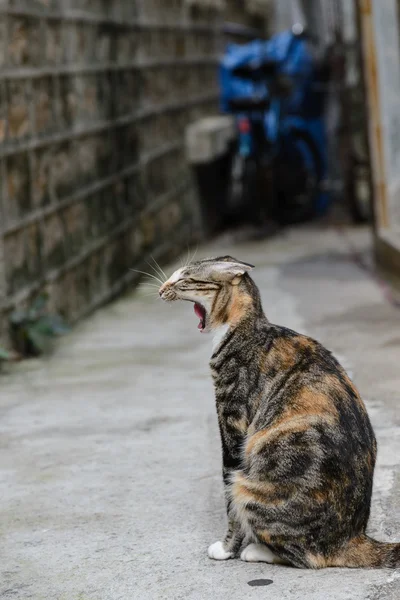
x=151, y=282
x=162, y=277
x=148, y=275
x=161, y=271
x=187, y=256
x=154, y=287
x=195, y=254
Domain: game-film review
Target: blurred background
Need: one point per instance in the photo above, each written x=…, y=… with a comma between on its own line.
x=135, y=135
x=113, y=147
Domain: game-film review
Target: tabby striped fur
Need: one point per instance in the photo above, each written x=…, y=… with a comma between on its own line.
x=298, y=448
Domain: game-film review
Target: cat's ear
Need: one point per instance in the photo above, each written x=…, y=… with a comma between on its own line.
x=230, y=271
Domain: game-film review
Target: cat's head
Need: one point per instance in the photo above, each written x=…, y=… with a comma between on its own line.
x=214, y=286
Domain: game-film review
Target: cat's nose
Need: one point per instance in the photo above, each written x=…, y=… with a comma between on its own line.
x=162, y=289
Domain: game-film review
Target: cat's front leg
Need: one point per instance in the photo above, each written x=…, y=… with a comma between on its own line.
x=231, y=545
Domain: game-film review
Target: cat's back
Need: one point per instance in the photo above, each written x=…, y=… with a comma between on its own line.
x=311, y=436
x=307, y=388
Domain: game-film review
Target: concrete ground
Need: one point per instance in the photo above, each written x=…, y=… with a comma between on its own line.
x=110, y=457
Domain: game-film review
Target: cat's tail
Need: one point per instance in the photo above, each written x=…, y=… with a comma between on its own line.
x=364, y=551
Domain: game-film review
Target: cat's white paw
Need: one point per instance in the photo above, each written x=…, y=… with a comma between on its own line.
x=259, y=553
x=217, y=552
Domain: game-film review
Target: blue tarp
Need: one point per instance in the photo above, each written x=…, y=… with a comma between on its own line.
x=291, y=56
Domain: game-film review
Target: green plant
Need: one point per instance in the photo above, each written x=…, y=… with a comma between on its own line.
x=34, y=329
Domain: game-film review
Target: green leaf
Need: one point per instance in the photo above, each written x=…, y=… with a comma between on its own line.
x=44, y=326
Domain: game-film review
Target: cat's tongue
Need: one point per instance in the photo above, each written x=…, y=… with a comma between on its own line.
x=200, y=312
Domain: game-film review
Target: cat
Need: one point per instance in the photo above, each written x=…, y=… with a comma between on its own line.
x=298, y=447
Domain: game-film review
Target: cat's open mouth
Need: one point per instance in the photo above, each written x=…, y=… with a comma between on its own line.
x=202, y=314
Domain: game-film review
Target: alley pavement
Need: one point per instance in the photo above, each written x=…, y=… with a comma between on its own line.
x=110, y=461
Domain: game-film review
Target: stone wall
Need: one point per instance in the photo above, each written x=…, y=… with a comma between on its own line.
x=95, y=96
x=250, y=13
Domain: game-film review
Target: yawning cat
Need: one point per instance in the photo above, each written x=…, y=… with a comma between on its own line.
x=297, y=445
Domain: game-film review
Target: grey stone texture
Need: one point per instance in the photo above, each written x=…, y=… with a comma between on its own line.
x=95, y=97
x=110, y=463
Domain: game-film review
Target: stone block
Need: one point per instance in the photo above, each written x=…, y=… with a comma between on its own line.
x=104, y=103
x=18, y=192
x=84, y=99
x=126, y=46
x=22, y=252
x=54, y=251
x=80, y=42
x=102, y=215
x=127, y=146
x=162, y=11
x=208, y=139
x=43, y=94
x=70, y=301
x=96, y=7
x=18, y=118
x=91, y=110
x=41, y=173
x=103, y=44
x=25, y=42
x=68, y=102
x=3, y=113
x=106, y=153
x=110, y=209
x=94, y=221
x=117, y=260
x=53, y=241
x=95, y=270
x=3, y=40
x=14, y=260
x=148, y=230
x=136, y=242
x=158, y=85
x=74, y=220
x=118, y=192
x=54, y=43
x=124, y=10
x=137, y=193
x=82, y=278
x=44, y=5
x=85, y=151
x=33, y=251
x=129, y=85
x=169, y=217
x=63, y=170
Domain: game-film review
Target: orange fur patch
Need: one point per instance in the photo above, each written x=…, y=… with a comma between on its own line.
x=265, y=536
x=310, y=402
x=263, y=437
x=244, y=491
x=239, y=306
x=316, y=561
x=283, y=355
x=318, y=496
x=332, y=382
x=306, y=409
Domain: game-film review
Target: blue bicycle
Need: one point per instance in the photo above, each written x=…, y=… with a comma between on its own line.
x=277, y=90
